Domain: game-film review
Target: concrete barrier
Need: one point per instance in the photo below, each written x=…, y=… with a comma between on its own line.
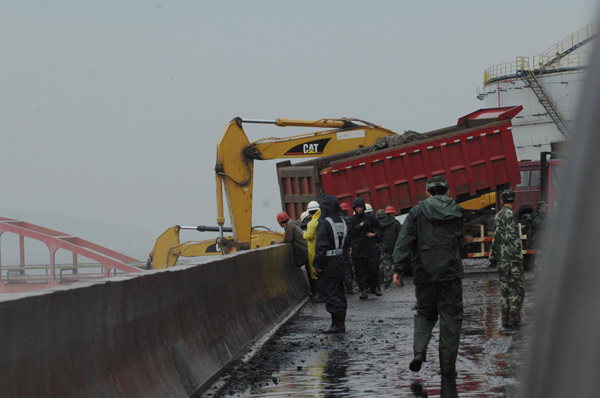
x=164, y=333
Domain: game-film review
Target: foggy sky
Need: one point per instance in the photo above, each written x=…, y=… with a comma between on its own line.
x=110, y=111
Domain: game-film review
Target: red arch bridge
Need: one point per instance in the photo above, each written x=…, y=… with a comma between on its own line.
x=22, y=277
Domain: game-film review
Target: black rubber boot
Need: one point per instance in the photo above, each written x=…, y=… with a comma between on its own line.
x=448, y=389
x=337, y=323
x=377, y=291
x=363, y=294
x=342, y=322
x=447, y=368
x=415, y=364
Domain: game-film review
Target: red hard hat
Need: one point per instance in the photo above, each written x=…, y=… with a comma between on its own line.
x=282, y=216
x=345, y=206
x=390, y=210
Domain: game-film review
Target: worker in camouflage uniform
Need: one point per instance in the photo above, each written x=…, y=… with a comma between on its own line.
x=431, y=239
x=391, y=229
x=507, y=254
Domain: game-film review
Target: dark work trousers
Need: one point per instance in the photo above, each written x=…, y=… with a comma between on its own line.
x=367, y=272
x=379, y=270
x=314, y=285
x=332, y=292
x=443, y=299
x=348, y=278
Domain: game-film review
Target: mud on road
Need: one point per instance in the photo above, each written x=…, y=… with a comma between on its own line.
x=372, y=357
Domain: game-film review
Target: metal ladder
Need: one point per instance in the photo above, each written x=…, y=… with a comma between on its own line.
x=531, y=80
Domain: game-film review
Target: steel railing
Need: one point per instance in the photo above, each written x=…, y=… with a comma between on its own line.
x=554, y=59
x=567, y=44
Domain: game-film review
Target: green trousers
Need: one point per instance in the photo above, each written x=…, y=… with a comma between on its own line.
x=443, y=299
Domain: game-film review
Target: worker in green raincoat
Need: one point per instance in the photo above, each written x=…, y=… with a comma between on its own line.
x=431, y=240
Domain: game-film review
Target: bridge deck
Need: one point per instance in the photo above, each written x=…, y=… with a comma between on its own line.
x=372, y=358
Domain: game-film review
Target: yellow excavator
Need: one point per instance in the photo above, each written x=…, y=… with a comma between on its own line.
x=234, y=171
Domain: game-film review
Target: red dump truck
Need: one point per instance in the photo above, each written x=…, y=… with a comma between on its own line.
x=476, y=156
x=540, y=180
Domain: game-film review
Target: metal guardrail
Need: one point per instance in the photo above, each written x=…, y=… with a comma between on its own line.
x=554, y=59
x=507, y=69
x=567, y=44
x=35, y=274
x=561, y=62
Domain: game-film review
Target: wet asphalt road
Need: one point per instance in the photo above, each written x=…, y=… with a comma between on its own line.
x=372, y=357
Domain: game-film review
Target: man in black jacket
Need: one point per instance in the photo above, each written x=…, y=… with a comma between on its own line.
x=431, y=238
x=365, y=234
x=329, y=261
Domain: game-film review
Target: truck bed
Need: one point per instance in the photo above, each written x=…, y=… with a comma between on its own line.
x=475, y=156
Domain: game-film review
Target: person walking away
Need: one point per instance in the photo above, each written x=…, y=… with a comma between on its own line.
x=314, y=212
x=329, y=261
x=507, y=254
x=391, y=229
x=365, y=233
x=431, y=238
x=294, y=235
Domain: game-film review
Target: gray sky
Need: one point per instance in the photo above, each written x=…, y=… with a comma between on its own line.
x=110, y=111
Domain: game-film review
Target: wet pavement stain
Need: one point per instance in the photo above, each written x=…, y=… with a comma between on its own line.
x=372, y=357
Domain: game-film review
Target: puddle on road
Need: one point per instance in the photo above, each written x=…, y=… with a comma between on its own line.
x=372, y=358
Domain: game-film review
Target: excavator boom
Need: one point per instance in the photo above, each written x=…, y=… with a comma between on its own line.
x=235, y=159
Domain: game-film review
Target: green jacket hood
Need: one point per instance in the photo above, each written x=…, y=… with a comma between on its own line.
x=440, y=208
x=386, y=221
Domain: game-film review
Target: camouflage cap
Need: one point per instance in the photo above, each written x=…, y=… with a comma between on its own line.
x=508, y=196
x=541, y=204
x=437, y=181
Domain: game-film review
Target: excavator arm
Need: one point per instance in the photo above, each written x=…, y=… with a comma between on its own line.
x=235, y=160
x=234, y=173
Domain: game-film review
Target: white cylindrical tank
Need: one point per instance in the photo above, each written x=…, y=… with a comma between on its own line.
x=560, y=72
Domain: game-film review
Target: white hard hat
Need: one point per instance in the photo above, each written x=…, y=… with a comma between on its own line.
x=313, y=205
x=304, y=215
x=368, y=208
